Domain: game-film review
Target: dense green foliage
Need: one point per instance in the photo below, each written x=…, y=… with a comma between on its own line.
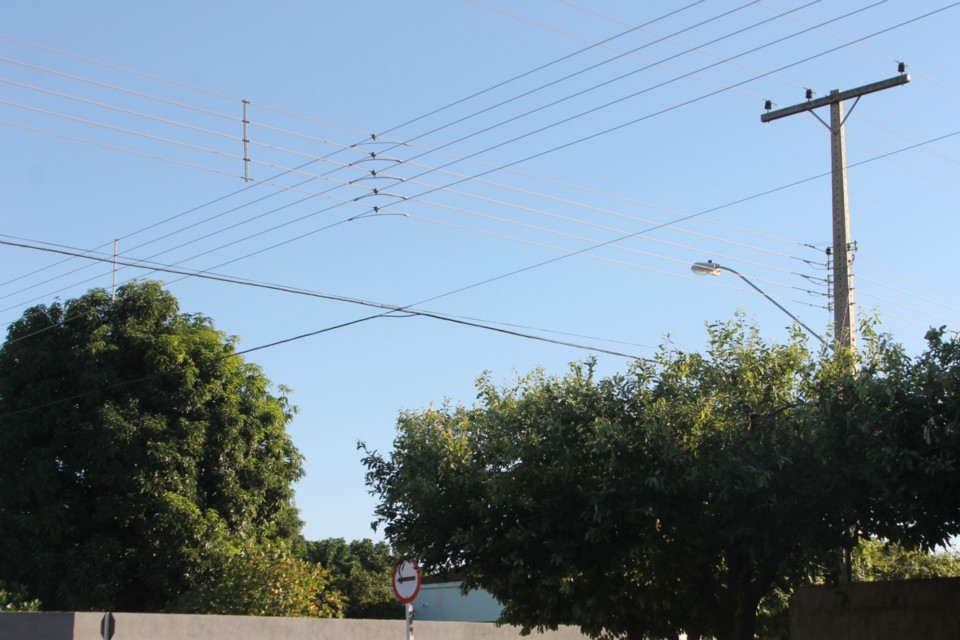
x=876, y=560
x=13, y=597
x=265, y=580
x=361, y=571
x=673, y=498
x=137, y=453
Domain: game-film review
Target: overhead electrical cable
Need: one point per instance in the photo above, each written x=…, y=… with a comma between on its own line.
x=575, y=74
x=608, y=228
x=133, y=71
x=206, y=275
x=132, y=112
x=105, y=85
x=552, y=198
x=117, y=67
x=678, y=105
x=917, y=18
x=674, y=273
x=912, y=282
x=620, y=126
x=193, y=147
x=656, y=113
x=701, y=98
x=695, y=215
x=868, y=293
x=456, y=192
x=121, y=129
x=540, y=68
x=700, y=23
x=908, y=292
x=675, y=221
x=623, y=98
x=875, y=52
x=164, y=159
x=790, y=14
x=311, y=334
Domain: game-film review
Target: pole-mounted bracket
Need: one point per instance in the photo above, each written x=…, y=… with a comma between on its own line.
x=838, y=96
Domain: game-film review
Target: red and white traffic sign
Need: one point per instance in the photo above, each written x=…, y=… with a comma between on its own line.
x=406, y=580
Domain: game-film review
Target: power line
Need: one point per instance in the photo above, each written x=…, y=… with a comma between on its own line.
x=648, y=23
x=408, y=308
x=607, y=130
x=481, y=174
x=456, y=192
x=121, y=129
x=681, y=219
x=625, y=236
x=207, y=275
x=618, y=100
x=540, y=68
x=573, y=75
x=105, y=85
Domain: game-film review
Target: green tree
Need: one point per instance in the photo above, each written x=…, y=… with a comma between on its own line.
x=13, y=597
x=675, y=497
x=265, y=580
x=361, y=570
x=137, y=452
x=877, y=560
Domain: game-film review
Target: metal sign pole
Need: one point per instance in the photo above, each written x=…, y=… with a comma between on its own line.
x=107, y=626
x=409, y=607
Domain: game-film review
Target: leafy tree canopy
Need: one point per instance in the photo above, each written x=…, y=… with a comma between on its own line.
x=674, y=497
x=877, y=560
x=13, y=597
x=361, y=570
x=265, y=580
x=137, y=452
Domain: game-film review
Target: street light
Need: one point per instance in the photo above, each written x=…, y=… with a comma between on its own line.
x=711, y=268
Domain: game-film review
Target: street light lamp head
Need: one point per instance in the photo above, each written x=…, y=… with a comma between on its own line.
x=708, y=268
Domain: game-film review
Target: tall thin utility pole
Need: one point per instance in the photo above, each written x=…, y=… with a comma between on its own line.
x=246, y=143
x=844, y=302
x=116, y=245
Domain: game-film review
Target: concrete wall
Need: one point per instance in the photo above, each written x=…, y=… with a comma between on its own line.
x=928, y=609
x=146, y=626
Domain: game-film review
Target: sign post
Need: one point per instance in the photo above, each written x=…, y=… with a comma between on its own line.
x=406, y=586
x=107, y=626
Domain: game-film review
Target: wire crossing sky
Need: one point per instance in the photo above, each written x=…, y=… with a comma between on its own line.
x=540, y=177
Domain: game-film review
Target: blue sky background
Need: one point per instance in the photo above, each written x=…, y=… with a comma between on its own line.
x=124, y=120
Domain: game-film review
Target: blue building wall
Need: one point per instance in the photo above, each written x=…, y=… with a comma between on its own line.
x=442, y=601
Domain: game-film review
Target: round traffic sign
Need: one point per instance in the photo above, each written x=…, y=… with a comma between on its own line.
x=406, y=580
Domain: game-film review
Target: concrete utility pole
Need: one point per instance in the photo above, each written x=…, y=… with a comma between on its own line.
x=844, y=303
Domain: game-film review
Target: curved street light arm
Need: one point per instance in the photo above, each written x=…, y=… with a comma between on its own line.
x=707, y=268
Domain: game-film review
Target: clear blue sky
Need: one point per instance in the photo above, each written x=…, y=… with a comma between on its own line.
x=124, y=120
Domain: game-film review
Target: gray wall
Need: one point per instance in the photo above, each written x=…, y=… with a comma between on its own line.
x=147, y=626
x=928, y=609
